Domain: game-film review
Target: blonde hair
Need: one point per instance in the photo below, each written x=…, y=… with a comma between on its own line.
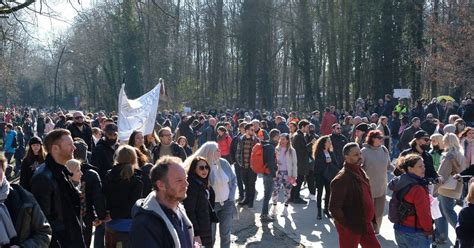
x=439, y=139
x=453, y=147
x=470, y=193
x=73, y=164
x=126, y=156
x=207, y=151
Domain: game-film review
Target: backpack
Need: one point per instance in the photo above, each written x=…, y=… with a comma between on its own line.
x=256, y=160
x=398, y=208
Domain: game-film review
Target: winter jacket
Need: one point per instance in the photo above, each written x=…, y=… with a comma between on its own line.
x=28, y=168
x=151, y=227
x=338, y=142
x=449, y=167
x=418, y=196
x=49, y=185
x=95, y=201
x=376, y=163
x=233, y=148
x=103, y=157
x=8, y=142
x=301, y=147
x=224, y=144
x=430, y=171
x=32, y=227
x=269, y=158
x=20, y=150
x=326, y=123
x=406, y=137
x=291, y=161
x=176, y=151
x=85, y=134
x=465, y=226
x=283, y=127
x=198, y=204
x=186, y=130
x=121, y=194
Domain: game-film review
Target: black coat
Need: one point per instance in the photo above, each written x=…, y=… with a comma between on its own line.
x=85, y=134
x=176, y=150
x=95, y=201
x=430, y=171
x=59, y=202
x=28, y=168
x=320, y=165
x=198, y=207
x=406, y=137
x=32, y=227
x=465, y=227
x=121, y=194
x=301, y=147
x=338, y=142
x=149, y=230
x=103, y=157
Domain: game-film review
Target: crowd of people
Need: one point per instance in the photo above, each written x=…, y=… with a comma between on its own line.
x=174, y=186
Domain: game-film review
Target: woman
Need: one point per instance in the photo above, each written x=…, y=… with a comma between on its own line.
x=49, y=125
x=467, y=143
x=20, y=149
x=199, y=202
x=376, y=164
x=151, y=140
x=122, y=188
x=347, y=126
x=415, y=229
x=137, y=140
x=325, y=169
x=287, y=172
x=452, y=162
x=465, y=228
x=22, y=222
x=183, y=142
x=224, y=141
x=223, y=181
x=74, y=166
x=293, y=128
x=437, y=148
x=145, y=167
x=385, y=130
x=35, y=155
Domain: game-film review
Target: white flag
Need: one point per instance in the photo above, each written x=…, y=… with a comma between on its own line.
x=138, y=114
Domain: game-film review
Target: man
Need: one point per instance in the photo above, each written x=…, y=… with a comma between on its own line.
x=329, y=118
x=338, y=141
x=408, y=134
x=158, y=220
x=421, y=145
x=55, y=193
x=103, y=154
x=10, y=143
x=315, y=120
x=351, y=202
x=210, y=131
x=243, y=154
x=429, y=125
x=280, y=125
x=302, y=147
x=96, y=122
x=237, y=167
x=79, y=129
x=258, y=130
x=379, y=109
x=269, y=159
x=27, y=225
x=167, y=147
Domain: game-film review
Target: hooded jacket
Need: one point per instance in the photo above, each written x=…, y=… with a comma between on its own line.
x=151, y=227
x=419, y=197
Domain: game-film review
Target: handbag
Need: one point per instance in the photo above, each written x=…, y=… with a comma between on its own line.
x=451, y=183
x=213, y=214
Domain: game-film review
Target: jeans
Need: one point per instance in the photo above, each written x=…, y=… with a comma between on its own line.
x=446, y=206
x=394, y=150
x=225, y=214
x=240, y=182
x=268, y=190
x=99, y=235
x=409, y=240
x=322, y=182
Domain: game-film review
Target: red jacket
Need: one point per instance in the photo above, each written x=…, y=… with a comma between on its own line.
x=418, y=195
x=326, y=124
x=224, y=144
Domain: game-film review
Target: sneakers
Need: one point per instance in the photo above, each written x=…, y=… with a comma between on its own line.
x=312, y=197
x=274, y=211
x=265, y=218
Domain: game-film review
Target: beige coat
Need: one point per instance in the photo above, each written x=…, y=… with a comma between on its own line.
x=376, y=163
x=291, y=162
x=447, y=169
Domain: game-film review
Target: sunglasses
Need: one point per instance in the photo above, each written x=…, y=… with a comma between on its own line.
x=427, y=139
x=204, y=167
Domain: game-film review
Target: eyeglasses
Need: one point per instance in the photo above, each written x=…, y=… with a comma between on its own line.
x=204, y=167
x=427, y=139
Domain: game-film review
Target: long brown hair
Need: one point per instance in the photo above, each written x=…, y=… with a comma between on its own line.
x=30, y=156
x=126, y=156
x=318, y=147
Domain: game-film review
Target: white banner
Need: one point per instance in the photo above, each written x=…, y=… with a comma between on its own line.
x=138, y=114
x=402, y=93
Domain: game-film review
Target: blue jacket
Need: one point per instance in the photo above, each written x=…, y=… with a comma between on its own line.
x=9, y=141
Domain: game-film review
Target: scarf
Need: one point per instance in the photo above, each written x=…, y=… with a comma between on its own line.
x=7, y=230
x=219, y=182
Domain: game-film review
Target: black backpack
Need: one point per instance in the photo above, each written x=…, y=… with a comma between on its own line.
x=398, y=208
